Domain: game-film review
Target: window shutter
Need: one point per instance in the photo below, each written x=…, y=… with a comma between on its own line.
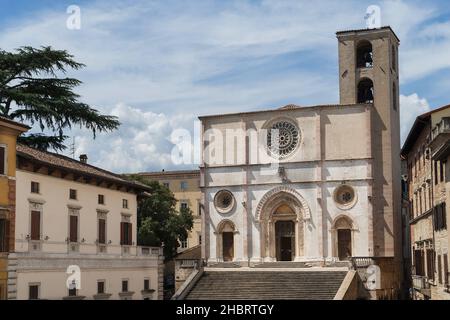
x=439, y=269
x=73, y=229
x=122, y=233
x=2, y=160
x=35, y=225
x=130, y=227
x=102, y=231
x=446, y=269
x=7, y=237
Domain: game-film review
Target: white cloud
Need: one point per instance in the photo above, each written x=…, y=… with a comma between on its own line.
x=141, y=142
x=411, y=107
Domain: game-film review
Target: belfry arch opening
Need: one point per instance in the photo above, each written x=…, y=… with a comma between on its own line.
x=365, y=91
x=364, y=55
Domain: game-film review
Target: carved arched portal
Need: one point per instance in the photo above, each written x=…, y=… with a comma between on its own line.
x=281, y=215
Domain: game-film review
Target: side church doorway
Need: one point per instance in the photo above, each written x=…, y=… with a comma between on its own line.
x=228, y=246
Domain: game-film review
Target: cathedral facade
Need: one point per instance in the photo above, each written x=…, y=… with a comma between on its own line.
x=311, y=184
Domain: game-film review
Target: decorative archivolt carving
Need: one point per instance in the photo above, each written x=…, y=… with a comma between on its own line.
x=226, y=225
x=285, y=194
x=344, y=221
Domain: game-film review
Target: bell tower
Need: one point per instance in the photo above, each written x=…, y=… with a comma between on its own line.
x=368, y=73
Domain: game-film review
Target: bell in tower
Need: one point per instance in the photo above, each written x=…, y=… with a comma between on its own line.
x=365, y=91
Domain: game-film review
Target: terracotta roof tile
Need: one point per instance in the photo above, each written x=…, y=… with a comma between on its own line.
x=194, y=253
x=63, y=162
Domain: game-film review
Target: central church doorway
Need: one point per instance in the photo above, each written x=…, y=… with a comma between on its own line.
x=228, y=246
x=285, y=240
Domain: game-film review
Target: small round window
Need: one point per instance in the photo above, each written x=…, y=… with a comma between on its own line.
x=345, y=196
x=224, y=201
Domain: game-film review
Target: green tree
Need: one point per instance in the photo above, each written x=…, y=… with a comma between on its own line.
x=158, y=220
x=33, y=88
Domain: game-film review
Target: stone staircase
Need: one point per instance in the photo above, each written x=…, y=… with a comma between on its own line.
x=267, y=285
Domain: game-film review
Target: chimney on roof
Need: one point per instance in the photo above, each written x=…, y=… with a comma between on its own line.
x=83, y=158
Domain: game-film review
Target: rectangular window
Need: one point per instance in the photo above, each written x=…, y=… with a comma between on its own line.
x=420, y=202
x=440, y=217
x=73, y=194
x=442, y=171
x=124, y=285
x=2, y=160
x=146, y=284
x=73, y=228
x=415, y=166
x=33, y=292
x=199, y=208
x=73, y=292
x=183, y=185
x=4, y=235
x=35, y=225
x=184, y=243
x=424, y=156
x=100, y=287
x=435, y=165
x=101, y=199
x=184, y=205
x=125, y=233
x=34, y=187
x=430, y=263
x=167, y=185
x=125, y=203
x=439, y=269
x=200, y=239
x=102, y=231
x=418, y=262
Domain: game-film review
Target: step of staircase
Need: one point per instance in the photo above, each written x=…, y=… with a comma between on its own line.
x=267, y=285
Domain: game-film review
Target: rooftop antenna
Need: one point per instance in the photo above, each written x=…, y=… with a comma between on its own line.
x=72, y=148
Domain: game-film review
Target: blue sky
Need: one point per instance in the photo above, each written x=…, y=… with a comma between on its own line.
x=160, y=64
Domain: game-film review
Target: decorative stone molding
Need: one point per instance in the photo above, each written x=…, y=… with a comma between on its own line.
x=290, y=137
x=350, y=220
x=36, y=201
x=349, y=191
x=73, y=206
x=147, y=294
x=102, y=211
x=74, y=298
x=102, y=296
x=126, y=295
x=275, y=192
x=224, y=201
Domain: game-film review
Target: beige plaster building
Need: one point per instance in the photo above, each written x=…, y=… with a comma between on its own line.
x=77, y=222
x=316, y=184
x=185, y=186
x=426, y=153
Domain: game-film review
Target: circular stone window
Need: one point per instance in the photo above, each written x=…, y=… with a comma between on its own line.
x=345, y=196
x=282, y=138
x=224, y=201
